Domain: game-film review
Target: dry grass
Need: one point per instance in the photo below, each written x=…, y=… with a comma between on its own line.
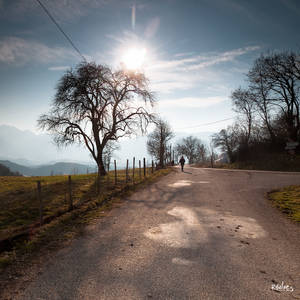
x=288, y=201
x=19, y=208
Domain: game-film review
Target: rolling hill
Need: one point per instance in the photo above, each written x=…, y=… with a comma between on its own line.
x=60, y=168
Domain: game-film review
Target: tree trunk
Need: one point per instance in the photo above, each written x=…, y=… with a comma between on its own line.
x=101, y=169
x=101, y=172
x=100, y=164
x=161, y=149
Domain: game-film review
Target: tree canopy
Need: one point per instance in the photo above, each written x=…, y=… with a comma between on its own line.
x=157, y=143
x=94, y=105
x=192, y=148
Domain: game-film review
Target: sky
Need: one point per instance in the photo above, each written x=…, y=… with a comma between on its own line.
x=195, y=52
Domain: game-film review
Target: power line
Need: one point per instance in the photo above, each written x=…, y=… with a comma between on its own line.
x=205, y=124
x=60, y=29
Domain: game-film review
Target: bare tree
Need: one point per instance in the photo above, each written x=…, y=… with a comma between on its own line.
x=157, y=143
x=212, y=153
x=227, y=140
x=201, y=151
x=296, y=64
x=276, y=77
x=262, y=97
x=192, y=148
x=95, y=105
x=244, y=104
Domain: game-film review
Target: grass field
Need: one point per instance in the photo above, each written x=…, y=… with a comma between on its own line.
x=20, y=233
x=19, y=206
x=288, y=201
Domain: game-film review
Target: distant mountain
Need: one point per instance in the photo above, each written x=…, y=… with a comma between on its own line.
x=5, y=171
x=61, y=168
x=22, y=161
x=15, y=167
x=27, y=149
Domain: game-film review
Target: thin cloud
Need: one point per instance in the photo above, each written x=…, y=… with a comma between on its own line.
x=221, y=58
x=18, y=51
x=62, y=10
x=184, y=54
x=201, y=61
x=191, y=102
x=193, y=71
x=59, y=68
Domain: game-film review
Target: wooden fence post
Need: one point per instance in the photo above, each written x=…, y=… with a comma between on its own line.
x=39, y=197
x=152, y=169
x=70, y=193
x=140, y=169
x=144, y=159
x=115, y=172
x=127, y=171
x=133, y=166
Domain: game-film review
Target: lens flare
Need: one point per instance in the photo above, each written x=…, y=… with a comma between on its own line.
x=134, y=58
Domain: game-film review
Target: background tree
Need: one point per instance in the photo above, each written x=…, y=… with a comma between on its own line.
x=5, y=171
x=262, y=99
x=95, y=105
x=212, y=153
x=157, y=143
x=202, y=153
x=278, y=76
x=192, y=148
x=268, y=110
x=243, y=102
x=108, y=151
x=227, y=141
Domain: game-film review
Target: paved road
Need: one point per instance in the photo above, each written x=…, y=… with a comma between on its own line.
x=202, y=234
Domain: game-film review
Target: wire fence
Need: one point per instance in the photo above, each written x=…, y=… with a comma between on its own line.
x=28, y=202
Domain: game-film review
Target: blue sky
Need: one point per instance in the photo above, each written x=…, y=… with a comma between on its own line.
x=197, y=52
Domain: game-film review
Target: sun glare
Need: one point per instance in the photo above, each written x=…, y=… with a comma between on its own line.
x=134, y=58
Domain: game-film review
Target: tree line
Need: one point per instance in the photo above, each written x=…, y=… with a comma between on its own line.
x=268, y=108
x=159, y=146
x=5, y=171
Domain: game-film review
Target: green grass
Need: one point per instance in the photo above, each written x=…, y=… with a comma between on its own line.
x=19, y=207
x=288, y=201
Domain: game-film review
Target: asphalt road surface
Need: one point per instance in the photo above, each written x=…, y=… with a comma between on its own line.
x=201, y=234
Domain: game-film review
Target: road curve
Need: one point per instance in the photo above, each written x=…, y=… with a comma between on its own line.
x=201, y=234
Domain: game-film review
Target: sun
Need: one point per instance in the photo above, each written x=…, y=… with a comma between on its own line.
x=134, y=58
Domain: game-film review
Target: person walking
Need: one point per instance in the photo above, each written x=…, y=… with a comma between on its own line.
x=182, y=161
